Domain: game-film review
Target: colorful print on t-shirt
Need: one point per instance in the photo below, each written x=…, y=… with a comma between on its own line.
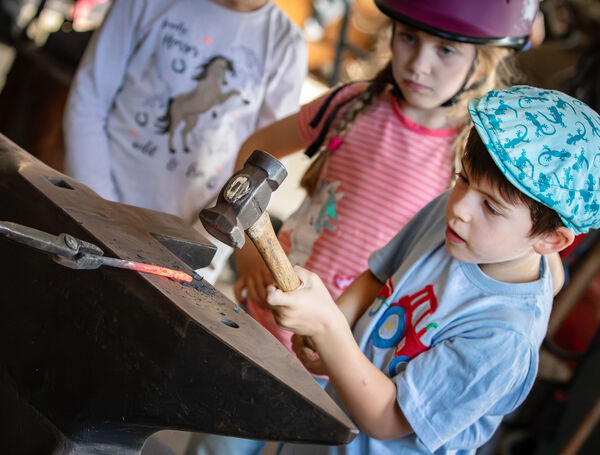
x=400, y=325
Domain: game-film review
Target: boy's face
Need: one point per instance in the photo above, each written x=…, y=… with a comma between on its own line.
x=485, y=229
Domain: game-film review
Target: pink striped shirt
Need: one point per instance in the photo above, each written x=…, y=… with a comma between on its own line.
x=386, y=169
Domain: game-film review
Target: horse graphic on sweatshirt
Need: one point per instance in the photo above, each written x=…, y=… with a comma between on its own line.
x=186, y=107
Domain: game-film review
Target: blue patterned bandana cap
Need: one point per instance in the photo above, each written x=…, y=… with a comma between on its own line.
x=547, y=144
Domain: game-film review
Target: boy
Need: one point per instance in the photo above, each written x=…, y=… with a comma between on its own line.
x=168, y=90
x=450, y=343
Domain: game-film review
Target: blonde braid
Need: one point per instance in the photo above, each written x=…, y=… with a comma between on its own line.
x=342, y=126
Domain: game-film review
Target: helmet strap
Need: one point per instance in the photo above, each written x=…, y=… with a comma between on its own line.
x=395, y=89
x=478, y=83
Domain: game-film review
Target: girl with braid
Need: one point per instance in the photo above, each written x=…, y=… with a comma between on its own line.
x=383, y=149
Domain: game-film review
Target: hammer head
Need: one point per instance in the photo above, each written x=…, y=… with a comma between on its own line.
x=243, y=199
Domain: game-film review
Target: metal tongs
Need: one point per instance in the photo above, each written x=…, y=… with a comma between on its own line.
x=78, y=254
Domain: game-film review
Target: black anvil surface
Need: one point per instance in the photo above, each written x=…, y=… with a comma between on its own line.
x=95, y=361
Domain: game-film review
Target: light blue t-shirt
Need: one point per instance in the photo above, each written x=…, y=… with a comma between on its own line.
x=461, y=347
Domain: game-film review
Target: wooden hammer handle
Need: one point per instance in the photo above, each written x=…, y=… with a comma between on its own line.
x=263, y=236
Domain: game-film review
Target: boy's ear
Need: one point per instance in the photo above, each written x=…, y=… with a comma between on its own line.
x=555, y=241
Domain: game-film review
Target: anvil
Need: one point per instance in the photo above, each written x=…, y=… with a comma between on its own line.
x=95, y=361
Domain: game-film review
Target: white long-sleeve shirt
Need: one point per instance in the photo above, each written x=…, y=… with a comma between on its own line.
x=145, y=123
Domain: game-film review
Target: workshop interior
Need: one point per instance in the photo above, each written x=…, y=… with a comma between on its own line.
x=111, y=342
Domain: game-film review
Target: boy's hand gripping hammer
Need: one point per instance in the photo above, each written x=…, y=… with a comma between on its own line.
x=242, y=206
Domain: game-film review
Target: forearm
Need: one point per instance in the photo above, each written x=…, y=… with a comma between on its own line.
x=87, y=155
x=367, y=393
x=359, y=296
x=279, y=139
x=92, y=94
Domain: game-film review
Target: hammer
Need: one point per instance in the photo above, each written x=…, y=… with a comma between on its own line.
x=241, y=206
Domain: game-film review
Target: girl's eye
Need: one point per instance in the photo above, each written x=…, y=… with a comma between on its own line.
x=447, y=51
x=490, y=208
x=407, y=37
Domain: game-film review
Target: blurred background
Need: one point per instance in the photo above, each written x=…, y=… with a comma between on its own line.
x=41, y=43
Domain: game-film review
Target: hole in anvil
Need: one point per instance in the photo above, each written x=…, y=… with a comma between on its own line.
x=59, y=182
x=230, y=323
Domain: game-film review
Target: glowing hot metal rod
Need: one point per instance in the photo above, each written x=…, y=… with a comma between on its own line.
x=79, y=254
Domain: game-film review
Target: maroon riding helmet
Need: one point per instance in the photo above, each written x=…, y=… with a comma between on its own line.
x=505, y=23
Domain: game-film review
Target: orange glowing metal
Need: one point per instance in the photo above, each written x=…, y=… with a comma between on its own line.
x=162, y=271
x=77, y=254
x=147, y=268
